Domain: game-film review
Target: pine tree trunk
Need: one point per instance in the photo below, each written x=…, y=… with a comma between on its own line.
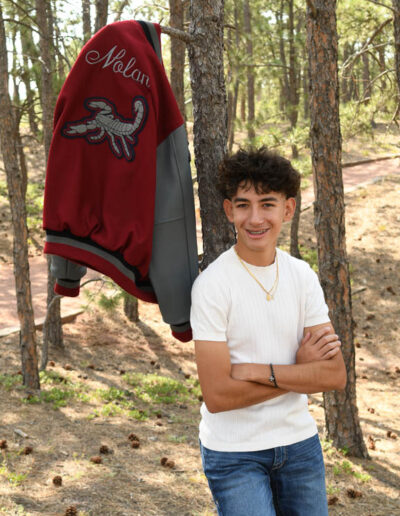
x=250, y=72
x=178, y=49
x=293, y=73
x=293, y=113
x=231, y=133
x=341, y=413
x=235, y=94
x=86, y=23
x=294, y=228
x=382, y=66
x=101, y=14
x=396, y=28
x=210, y=120
x=16, y=196
x=131, y=308
x=52, y=333
x=28, y=48
x=367, y=91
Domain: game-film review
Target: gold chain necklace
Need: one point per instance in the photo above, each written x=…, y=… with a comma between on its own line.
x=270, y=293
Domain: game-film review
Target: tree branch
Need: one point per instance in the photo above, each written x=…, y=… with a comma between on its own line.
x=177, y=33
x=312, y=8
x=381, y=4
x=365, y=47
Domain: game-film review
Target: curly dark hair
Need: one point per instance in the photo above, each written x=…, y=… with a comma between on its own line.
x=262, y=168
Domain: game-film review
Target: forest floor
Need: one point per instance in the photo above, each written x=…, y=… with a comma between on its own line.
x=115, y=378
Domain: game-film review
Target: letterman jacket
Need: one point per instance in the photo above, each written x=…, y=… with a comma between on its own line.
x=118, y=194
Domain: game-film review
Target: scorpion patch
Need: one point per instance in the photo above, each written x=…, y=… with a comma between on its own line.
x=104, y=123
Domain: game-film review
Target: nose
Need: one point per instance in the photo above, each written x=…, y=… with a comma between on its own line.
x=256, y=216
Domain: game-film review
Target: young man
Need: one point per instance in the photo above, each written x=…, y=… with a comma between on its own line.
x=263, y=340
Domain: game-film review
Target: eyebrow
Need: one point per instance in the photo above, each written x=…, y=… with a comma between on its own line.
x=264, y=199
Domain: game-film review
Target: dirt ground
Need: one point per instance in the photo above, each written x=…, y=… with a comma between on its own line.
x=104, y=351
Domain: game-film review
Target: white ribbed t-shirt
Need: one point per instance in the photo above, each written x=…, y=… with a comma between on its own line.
x=228, y=305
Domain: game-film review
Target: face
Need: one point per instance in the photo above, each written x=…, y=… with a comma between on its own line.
x=258, y=219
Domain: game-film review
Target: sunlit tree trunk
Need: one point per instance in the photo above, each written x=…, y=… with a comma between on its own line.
x=86, y=22
x=52, y=332
x=396, y=27
x=250, y=71
x=101, y=14
x=210, y=119
x=341, y=413
x=178, y=49
x=16, y=196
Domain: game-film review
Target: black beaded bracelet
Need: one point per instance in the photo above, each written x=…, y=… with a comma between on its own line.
x=272, y=378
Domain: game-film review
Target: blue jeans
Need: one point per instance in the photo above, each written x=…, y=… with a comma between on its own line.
x=283, y=481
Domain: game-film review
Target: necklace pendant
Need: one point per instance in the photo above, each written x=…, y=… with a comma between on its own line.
x=269, y=297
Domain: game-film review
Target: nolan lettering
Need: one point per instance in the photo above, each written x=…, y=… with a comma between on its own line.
x=115, y=60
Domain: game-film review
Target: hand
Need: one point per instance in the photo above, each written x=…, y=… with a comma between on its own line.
x=321, y=345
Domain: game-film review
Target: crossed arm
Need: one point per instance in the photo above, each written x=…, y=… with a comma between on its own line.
x=319, y=367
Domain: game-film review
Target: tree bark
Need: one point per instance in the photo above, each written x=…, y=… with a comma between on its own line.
x=232, y=105
x=210, y=120
x=396, y=28
x=131, y=308
x=178, y=49
x=293, y=114
x=250, y=71
x=101, y=14
x=52, y=332
x=366, y=78
x=341, y=413
x=86, y=22
x=16, y=196
x=294, y=228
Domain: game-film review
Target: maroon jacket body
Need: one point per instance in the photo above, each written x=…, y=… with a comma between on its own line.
x=118, y=194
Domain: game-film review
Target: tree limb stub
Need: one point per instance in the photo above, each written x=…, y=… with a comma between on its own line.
x=177, y=33
x=312, y=8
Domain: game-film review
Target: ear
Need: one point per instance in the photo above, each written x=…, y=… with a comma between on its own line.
x=290, y=207
x=228, y=209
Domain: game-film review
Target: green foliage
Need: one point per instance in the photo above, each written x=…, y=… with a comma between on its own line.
x=3, y=188
x=139, y=415
x=14, y=478
x=153, y=388
x=9, y=381
x=310, y=255
x=346, y=468
x=34, y=205
x=109, y=302
x=111, y=394
x=52, y=377
x=56, y=396
x=332, y=490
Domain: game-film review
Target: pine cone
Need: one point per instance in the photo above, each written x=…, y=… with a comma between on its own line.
x=371, y=443
x=27, y=450
x=57, y=480
x=353, y=493
x=96, y=459
x=135, y=444
x=71, y=511
x=163, y=461
x=133, y=437
x=104, y=449
x=170, y=464
x=3, y=444
x=332, y=500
